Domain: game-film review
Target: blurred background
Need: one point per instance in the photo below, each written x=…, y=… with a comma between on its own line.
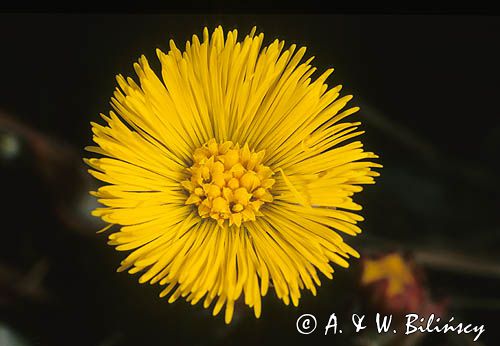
x=428, y=88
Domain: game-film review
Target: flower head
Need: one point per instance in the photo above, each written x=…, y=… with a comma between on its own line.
x=230, y=174
x=392, y=283
x=395, y=284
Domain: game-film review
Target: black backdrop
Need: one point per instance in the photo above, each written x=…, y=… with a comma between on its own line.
x=428, y=88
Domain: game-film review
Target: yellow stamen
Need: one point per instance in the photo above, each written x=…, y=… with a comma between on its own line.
x=228, y=183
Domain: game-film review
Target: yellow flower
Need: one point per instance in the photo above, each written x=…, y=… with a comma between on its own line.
x=230, y=175
x=392, y=268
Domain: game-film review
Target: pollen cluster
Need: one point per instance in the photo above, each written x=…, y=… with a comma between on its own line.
x=228, y=182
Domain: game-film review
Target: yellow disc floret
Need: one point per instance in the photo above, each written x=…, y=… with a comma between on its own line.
x=228, y=182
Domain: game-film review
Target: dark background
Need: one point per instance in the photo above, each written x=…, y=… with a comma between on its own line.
x=428, y=87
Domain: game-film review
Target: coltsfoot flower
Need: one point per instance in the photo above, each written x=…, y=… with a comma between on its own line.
x=230, y=173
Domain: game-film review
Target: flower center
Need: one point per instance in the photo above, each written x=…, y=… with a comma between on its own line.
x=228, y=183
